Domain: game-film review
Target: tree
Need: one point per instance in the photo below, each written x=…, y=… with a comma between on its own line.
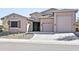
x=5, y=25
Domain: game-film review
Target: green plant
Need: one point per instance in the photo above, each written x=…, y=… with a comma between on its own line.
x=5, y=25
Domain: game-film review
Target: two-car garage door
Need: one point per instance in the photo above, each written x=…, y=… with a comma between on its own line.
x=64, y=24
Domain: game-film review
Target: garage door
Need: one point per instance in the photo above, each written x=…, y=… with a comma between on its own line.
x=47, y=28
x=64, y=24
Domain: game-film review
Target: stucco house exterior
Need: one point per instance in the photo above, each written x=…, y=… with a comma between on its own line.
x=51, y=20
x=54, y=20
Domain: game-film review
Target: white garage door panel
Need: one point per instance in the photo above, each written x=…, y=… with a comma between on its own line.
x=64, y=24
x=47, y=27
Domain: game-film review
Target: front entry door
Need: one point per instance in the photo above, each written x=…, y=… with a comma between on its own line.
x=36, y=26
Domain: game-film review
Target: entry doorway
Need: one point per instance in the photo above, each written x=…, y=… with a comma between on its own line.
x=36, y=26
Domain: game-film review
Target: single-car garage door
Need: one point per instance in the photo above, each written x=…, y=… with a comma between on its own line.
x=47, y=25
x=64, y=24
x=47, y=28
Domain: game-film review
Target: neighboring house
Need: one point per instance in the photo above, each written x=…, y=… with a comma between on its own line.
x=51, y=20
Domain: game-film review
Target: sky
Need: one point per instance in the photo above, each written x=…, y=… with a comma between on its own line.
x=22, y=11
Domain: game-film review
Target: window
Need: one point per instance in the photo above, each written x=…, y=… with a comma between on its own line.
x=14, y=24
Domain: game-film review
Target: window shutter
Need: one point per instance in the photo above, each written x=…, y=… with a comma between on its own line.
x=19, y=24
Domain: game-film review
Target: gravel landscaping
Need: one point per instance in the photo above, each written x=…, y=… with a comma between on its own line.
x=7, y=35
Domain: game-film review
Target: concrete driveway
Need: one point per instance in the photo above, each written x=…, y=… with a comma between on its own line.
x=54, y=36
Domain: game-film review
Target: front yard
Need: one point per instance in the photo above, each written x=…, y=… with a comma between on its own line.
x=40, y=36
x=7, y=35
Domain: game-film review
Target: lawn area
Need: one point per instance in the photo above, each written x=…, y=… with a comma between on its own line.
x=7, y=35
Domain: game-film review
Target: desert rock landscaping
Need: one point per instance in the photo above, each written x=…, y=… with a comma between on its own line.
x=8, y=35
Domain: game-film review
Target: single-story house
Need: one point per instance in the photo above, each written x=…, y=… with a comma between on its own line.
x=51, y=20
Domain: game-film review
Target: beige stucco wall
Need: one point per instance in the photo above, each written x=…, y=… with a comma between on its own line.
x=71, y=21
x=23, y=24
